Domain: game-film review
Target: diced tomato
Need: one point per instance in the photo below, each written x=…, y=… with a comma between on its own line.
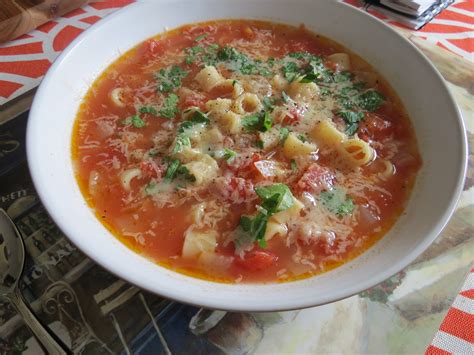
x=233, y=189
x=373, y=127
x=245, y=167
x=296, y=114
x=257, y=260
x=152, y=48
x=315, y=179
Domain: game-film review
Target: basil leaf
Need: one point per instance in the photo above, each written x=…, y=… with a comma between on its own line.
x=370, y=100
x=172, y=169
x=170, y=106
x=182, y=141
x=148, y=109
x=337, y=202
x=276, y=197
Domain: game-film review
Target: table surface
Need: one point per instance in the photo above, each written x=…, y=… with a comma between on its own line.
x=95, y=312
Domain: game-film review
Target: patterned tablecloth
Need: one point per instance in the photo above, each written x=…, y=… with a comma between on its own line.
x=94, y=312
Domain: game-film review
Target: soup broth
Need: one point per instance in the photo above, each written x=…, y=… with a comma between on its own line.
x=244, y=151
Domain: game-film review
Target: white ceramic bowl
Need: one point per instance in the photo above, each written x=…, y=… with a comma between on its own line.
x=436, y=119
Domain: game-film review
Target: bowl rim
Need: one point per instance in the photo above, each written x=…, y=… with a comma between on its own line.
x=203, y=302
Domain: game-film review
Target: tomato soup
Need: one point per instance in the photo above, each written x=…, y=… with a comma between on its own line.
x=244, y=151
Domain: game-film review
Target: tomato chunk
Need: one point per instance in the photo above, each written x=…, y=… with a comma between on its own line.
x=315, y=179
x=373, y=127
x=257, y=260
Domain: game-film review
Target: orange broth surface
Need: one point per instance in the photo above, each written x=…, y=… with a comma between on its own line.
x=226, y=182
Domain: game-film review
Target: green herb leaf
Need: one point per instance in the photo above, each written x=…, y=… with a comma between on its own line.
x=352, y=120
x=172, y=169
x=149, y=110
x=182, y=141
x=370, y=100
x=170, y=106
x=135, y=121
x=229, y=154
x=170, y=78
x=268, y=103
x=184, y=173
x=337, y=202
x=276, y=197
x=342, y=76
x=258, y=122
x=197, y=117
x=285, y=97
x=284, y=132
x=290, y=70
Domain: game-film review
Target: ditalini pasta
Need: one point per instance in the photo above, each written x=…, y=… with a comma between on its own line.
x=244, y=151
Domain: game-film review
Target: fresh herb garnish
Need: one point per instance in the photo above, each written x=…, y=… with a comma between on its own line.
x=148, y=109
x=352, y=120
x=229, y=154
x=290, y=70
x=170, y=106
x=268, y=103
x=170, y=78
x=176, y=170
x=342, y=76
x=285, y=97
x=275, y=198
x=370, y=100
x=173, y=166
x=182, y=141
x=284, y=132
x=337, y=202
x=135, y=121
x=195, y=118
x=261, y=121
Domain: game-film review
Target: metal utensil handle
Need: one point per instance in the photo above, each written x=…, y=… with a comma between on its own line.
x=51, y=345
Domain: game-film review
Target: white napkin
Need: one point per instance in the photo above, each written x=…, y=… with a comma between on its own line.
x=410, y=7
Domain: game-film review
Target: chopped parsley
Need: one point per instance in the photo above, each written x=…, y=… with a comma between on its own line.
x=229, y=154
x=342, y=76
x=302, y=138
x=148, y=109
x=135, y=121
x=352, y=120
x=290, y=70
x=337, y=202
x=268, y=103
x=170, y=106
x=170, y=78
x=284, y=132
x=196, y=118
x=175, y=170
x=285, y=97
x=275, y=198
x=240, y=62
x=258, y=122
x=370, y=100
x=173, y=166
x=182, y=141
